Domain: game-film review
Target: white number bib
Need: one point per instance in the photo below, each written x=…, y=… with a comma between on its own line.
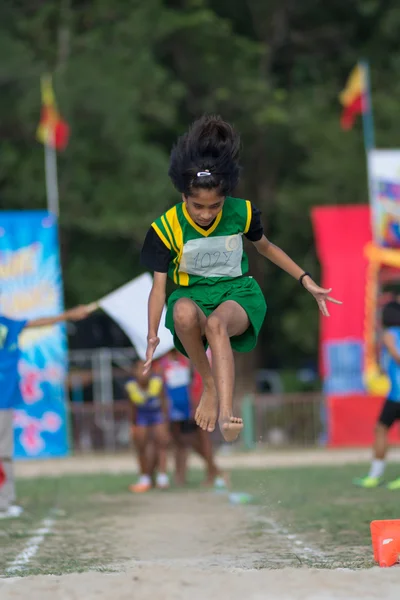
x=219, y=256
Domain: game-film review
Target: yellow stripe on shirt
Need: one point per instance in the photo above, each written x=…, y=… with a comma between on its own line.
x=249, y=213
x=161, y=235
x=169, y=233
x=176, y=229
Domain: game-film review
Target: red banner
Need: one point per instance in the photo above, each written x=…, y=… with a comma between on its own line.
x=341, y=233
x=352, y=419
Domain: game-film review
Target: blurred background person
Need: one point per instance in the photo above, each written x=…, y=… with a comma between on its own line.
x=390, y=413
x=149, y=424
x=182, y=383
x=10, y=394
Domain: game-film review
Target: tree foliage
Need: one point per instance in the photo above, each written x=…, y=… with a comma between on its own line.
x=129, y=76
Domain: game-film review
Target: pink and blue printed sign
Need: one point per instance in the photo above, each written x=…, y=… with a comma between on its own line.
x=31, y=287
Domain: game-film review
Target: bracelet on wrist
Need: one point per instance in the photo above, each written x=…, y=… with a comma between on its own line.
x=305, y=274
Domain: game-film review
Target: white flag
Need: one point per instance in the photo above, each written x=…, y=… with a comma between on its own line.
x=127, y=306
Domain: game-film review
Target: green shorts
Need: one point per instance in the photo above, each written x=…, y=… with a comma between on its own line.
x=243, y=290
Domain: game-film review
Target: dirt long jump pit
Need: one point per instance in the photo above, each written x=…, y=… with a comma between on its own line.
x=194, y=545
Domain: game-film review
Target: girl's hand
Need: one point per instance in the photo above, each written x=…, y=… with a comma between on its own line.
x=320, y=294
x=152, y=344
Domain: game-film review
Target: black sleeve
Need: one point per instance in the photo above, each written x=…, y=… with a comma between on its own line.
x=256, y=230
x=155, y=256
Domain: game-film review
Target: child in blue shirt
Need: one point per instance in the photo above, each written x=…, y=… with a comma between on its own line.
x=390, y=412
x=10, y=394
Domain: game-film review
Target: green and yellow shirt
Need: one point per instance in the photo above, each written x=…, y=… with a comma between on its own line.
x=191, y=254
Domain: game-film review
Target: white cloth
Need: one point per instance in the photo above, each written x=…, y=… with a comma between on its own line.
x=127, y=306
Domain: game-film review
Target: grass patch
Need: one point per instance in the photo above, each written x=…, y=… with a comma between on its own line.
x=321, y=505
x=81, y=505
x=84, y=507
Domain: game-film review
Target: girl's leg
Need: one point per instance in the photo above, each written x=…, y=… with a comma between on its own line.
x=162, y=439
x=228, y=320
x=151, y=458
x=180, y=454
x=140, y=440
x=140, y=437
x=201, y=444
x=190, y=324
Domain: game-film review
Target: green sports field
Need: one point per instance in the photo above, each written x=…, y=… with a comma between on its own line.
x=308, y=516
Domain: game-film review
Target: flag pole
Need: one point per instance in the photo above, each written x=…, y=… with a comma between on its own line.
x=369, y=133
x=371, y=367
x=50, y=152
x=50, y=165
x=367, y=116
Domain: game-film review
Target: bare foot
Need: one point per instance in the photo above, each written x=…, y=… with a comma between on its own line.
x=206, y=413
x=230, y=427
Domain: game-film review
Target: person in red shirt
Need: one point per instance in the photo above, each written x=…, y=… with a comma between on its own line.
x=177, y=375
x=182, y=386
x=203, y=444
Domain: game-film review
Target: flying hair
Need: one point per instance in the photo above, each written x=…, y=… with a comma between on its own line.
x=206, y=157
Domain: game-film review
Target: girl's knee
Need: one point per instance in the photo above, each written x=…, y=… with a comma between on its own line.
x=185, y=313
x=215, y=326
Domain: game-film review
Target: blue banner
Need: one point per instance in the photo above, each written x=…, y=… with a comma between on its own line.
x=344, y=361
x=31, y=287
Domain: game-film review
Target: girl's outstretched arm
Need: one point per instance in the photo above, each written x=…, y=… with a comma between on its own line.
x=155, y=308
x=282, y=260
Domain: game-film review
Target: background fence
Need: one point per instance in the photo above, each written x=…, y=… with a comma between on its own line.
x=289, y=420
x=100, y=416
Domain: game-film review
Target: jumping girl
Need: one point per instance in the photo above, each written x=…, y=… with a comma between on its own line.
x=198, y=244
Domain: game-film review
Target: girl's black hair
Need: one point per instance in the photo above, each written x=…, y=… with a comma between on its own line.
x=391, y=314
x=206, y=157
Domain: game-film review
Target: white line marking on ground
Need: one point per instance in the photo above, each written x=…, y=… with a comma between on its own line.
x=303, y=551
x=31, y=548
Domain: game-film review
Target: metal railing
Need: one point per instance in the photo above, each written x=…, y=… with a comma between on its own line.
x=100, y=418
x=100, y=427
x=279, y=421
x=282, y=420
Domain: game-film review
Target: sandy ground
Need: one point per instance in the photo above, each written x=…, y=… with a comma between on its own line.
x=196, y=545
x=154, y=582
